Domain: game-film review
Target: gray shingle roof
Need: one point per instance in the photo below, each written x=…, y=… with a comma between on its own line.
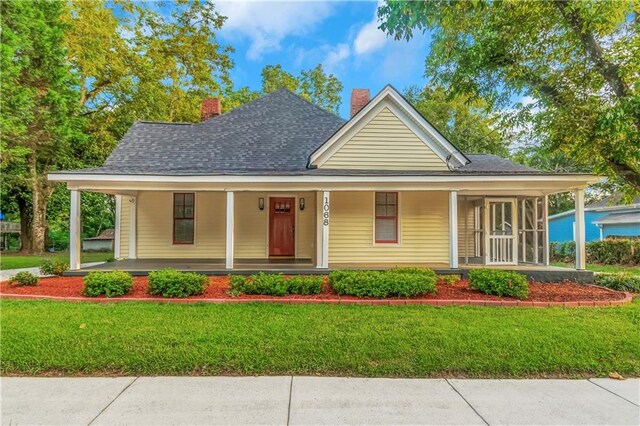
x=273, y=135
x=277, y=132
x=620, y=218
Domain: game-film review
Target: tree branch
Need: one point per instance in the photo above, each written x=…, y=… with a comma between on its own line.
x=609, y=70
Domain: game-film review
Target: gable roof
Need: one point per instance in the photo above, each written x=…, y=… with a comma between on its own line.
x=390, y=98
x=277, y=132
x=620, y=219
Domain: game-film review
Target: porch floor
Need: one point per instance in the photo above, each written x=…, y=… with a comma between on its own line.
x=306, y=266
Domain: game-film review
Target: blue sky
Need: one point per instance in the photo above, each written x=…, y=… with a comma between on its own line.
x=342, y=36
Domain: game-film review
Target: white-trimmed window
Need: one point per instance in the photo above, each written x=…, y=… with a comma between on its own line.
x=386, y=217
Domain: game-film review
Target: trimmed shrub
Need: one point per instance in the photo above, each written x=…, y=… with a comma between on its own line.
x=275, y=284
x=448, y=279
x=171, y=283
x=398, y=282
x=24, y=279
x=621, y=281
x=53, y=267
x=305, y=284
x=111, y=284
x=499, y=283
x=612, y=251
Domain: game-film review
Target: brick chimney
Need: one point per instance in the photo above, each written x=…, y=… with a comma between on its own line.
x=359, y=98
x=211, y=107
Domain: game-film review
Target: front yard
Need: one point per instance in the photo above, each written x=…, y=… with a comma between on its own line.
x=136, y=338
x=15, y=261
x=604, y=268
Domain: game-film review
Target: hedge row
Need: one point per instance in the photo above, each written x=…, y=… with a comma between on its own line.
x=275, y=284
x=619, y=251
x=398, y=282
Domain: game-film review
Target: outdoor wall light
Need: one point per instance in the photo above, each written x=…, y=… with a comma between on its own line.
x=301, y=203
x=261, y=203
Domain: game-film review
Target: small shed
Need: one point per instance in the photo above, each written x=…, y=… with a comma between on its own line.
x=103, y=242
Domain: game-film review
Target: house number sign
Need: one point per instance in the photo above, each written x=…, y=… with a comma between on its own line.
x=325, y=212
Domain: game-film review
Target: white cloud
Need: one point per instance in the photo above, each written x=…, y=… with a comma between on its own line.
x=266, y=24
x=369, y=39
x=336, y=55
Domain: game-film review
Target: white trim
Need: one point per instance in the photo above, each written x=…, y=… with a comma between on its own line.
x=116, y=237
x=75, y=230
x=325, y=213
x=310, y=178
x=230, y=230
x=580, y=232
x=597, y=209
x=453, y=229
x=133, y=224
x=405, y=112
x=545, y=212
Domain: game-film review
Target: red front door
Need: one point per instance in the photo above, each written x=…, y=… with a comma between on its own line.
x=282, y=219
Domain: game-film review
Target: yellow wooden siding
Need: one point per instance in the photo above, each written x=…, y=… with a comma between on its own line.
x=385, y=143
x=155, y=226
x=251, y=225
x=125, y=209
x=423, y=226
x=469, y=247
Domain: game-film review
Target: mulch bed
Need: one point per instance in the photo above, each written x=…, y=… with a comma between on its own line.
x=538, y=292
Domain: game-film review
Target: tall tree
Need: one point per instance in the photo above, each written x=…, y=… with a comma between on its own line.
x=467, y=123
x=580, y=59
x=40, y=128
x=312, y=84
x=136, y=62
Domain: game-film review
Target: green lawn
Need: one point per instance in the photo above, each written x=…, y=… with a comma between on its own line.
x=604, y=268
x=137, y=338
x=14, y=261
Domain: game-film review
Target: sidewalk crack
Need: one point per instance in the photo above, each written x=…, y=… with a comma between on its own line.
x=289, y=408
x=112, y=401
x=612, y=392
x=465, y=400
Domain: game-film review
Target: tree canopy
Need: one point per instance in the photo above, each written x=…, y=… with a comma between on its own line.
x=579, y=60
x=468, y=124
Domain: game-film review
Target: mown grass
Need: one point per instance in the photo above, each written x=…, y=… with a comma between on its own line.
x=137, y=338
x=604, y=268
x=14, y=261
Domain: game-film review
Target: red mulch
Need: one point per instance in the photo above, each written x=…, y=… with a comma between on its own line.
x=538, y=292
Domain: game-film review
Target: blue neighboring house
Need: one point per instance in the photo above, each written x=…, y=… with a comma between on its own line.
x=602, y=220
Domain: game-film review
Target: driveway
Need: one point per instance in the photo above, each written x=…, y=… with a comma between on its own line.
x=317, y=400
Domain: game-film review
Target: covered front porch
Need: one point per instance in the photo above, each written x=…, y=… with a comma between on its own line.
x=142, y=267
x=320, y=226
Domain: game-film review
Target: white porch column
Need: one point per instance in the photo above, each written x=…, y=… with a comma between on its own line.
x=230, y=230
x=581, y=254
x=323, y=208
x=133, y=227
x=453, y=229
x=545, y=222
x=75, y=231
x=116, y=237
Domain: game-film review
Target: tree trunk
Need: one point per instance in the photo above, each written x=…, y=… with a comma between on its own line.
x=25, y=225
x=39, y=196
x=39, y=224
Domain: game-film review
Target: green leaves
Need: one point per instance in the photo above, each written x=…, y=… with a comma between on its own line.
x=580, y=59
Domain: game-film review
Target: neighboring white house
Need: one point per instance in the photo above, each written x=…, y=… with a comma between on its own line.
x=103, y=242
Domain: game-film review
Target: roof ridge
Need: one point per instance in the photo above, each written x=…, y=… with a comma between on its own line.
x=178, y=123
x=286, y=90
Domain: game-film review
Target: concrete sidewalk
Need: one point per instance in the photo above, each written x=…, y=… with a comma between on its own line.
x=317, y=400
x=8, y=273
